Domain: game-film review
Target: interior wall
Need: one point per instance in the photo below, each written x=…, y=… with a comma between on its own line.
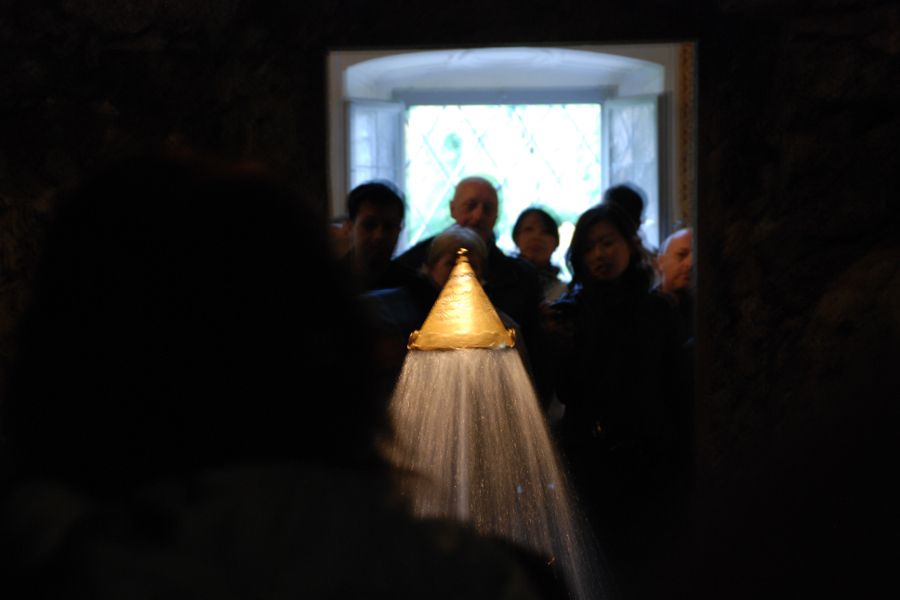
x=798, y=255
x=799, y=265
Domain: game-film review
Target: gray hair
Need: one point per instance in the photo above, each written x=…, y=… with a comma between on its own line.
x=452, y=239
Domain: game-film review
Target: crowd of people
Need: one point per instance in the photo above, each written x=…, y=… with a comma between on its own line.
x=163, y=428
x=609, y=352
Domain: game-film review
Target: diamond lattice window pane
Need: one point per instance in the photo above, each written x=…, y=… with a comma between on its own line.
x=546, y=155
x=633, y=155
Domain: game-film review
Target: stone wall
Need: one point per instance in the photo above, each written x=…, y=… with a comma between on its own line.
x=798, y=255
x=799, y=263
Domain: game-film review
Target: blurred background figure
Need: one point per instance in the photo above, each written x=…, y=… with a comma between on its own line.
x=619, y=371
x=375, y=212
x=193, y=412
x=630, y=198
x=536, y=234
x=675, y=267
x=339, y=233
x=173, y=307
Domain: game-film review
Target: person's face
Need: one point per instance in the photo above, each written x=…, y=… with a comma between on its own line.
x=440, y=270
x=676, y=263
x=535, y=243
x=475, y=205
x=607, y=254
x=374, y=232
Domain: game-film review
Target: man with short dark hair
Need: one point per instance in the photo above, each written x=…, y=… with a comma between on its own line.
x=375, y=211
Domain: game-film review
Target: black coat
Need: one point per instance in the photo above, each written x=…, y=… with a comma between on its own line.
x=619, y=366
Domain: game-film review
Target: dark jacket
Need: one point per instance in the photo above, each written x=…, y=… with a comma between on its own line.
x=620, y=369
x=394, y=275
x=254, y=531
x=397, y=312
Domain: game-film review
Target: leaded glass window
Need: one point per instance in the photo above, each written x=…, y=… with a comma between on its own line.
x=538, y=154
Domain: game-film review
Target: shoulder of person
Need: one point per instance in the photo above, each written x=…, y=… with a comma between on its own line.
x=565, y=305
x=492, y=567
x=662, y=302
x=657, y=292
x=379, y=303
x=503, y=266
x=398, y=275
x=381, y=295
x=415, y=256
x=345, y=267
x=555, y=291
x=258, y=525
x=522, y=265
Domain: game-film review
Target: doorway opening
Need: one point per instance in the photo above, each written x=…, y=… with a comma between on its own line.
x=552, y=127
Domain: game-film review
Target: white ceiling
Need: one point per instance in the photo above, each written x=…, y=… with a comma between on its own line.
x=493, y=68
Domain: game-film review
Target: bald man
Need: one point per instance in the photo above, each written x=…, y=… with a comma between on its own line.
x=676, y=267
x=475, y=205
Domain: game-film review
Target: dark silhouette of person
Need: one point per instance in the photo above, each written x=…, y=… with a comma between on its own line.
x=173, y=310
x=191, y=412
x=630, y=198
x=619, y=363
x=375, y=212
x=675, y=267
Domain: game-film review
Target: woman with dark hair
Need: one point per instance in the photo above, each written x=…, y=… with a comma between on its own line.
x=618, y=372
x=536, y=234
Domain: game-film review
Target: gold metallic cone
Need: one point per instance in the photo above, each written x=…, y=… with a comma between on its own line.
x=462, y=316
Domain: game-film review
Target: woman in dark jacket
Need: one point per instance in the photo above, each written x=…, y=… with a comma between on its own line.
x=620, y=372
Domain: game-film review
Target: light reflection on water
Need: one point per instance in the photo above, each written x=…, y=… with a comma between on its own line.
x=468, y=422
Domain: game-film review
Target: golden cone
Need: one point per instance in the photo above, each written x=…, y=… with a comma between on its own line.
x=462, y=316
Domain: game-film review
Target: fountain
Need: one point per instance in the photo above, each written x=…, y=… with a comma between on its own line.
x=469, y=427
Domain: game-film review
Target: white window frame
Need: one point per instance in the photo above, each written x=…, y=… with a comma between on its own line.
x=389, y=150
x=664, y=55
